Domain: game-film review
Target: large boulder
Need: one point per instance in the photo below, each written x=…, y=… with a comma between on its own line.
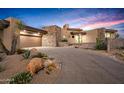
x=35, y=65
x=50, y=66
x=48, y=62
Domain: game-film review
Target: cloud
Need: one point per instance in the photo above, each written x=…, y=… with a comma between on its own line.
x=101, y=24
x=88, y=19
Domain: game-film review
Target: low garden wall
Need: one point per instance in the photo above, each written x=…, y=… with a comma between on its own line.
x=63, y=44
x=88, y=45
x=116, y=43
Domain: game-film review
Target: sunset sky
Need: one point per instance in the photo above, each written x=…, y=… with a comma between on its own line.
x=85, y=18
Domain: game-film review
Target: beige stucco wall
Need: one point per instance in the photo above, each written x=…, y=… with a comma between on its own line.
x=9, y=33
x=1, y=34
x=90, y=36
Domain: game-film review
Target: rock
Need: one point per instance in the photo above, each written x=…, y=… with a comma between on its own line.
x=33, y=51
x=48, y=62
x=35, y=65
x=50, y=65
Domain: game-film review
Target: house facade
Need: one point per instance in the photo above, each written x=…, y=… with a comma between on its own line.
x=72, y=35
x=78, y=36
x=50, y=36
x=28, y=37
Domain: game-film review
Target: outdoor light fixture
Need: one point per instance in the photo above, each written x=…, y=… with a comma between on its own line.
x=23, y=32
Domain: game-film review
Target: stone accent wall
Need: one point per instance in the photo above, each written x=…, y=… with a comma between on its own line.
x=49, y=40
x=53, y=36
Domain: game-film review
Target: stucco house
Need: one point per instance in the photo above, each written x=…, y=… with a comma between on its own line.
x=72, y=35
x=78, y=36
x=29, y=37
x=50, y=35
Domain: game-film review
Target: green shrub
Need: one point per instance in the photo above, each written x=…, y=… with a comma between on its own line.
x=21, y=78
x=40, y=55
x=100, y=44
x=64, y=40
x=121, y=47
x=21, y=51
x=26, y=54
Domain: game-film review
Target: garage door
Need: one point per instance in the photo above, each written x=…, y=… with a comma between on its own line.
x=29, y=41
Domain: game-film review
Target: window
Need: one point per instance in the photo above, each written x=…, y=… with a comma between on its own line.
x=64, y=37
x=72, y=36
x=107, y=35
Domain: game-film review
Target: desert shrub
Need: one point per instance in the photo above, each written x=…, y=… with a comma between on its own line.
x=121, y=47
x=26, y=54
x=21, y=78
x=64, y=40
x=1, y=68
x=100, y=45
x=40, y=55
x=50, y=68
x=21, y=51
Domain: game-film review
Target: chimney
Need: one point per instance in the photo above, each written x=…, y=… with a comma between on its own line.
x=66, y=26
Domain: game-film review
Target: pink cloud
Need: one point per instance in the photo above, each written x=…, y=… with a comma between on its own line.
x=101, y=24
x=88, y=19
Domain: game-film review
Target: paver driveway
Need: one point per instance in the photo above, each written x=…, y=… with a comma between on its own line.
x=82, y=66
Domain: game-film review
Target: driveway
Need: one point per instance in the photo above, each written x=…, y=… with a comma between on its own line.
x=83, y=66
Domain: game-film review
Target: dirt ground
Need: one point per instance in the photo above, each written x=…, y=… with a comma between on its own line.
x=14, y=64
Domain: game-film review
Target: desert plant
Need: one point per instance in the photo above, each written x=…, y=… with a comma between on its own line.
x=64, y=40
x=21, y=51
x=21, y=78
x=50, y=68
x=20, y=25
x=40, y=55
x=100, y=44
x=26, y=54
x=121, y=47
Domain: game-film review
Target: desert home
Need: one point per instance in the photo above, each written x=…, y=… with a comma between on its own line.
x=77, y=35
x=29, y=37
x=67, y=36
x=51, y=35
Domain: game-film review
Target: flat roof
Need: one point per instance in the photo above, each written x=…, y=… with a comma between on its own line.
x=29, y=28
x=4, y=24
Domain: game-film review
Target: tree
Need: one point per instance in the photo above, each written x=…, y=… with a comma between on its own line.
x=117, y=35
